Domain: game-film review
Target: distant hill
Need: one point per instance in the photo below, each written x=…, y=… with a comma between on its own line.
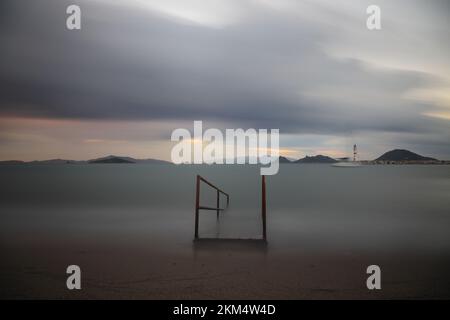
x=403, y=155
x=108, y=159
x=316, y=159
x=284, y=160
x=111, y=159
x=255, y=160
x=11, y=162
x=54, y=161
x=120, y=159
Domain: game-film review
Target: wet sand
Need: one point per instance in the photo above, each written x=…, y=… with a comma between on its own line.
x=212, y=270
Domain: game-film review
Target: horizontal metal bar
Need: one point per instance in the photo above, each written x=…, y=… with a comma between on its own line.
x=211, y=185
x=210, y=208
x=257, y=239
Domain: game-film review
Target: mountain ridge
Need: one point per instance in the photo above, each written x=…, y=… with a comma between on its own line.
x=402, y=155
x=316, y=159
x=395, y=155
x=101, y=160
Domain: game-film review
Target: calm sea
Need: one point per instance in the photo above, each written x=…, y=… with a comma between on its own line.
x=315, y=206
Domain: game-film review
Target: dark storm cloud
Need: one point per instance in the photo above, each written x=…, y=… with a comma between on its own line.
x=268, y=70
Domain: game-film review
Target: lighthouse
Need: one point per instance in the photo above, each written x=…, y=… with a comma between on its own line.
x=347, y=163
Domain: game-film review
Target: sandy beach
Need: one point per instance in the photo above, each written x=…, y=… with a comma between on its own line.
x=214, y=270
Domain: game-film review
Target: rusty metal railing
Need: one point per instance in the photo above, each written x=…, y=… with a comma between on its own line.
x=263, y=206
x=198, y=207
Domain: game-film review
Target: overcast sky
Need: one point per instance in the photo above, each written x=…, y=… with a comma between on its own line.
x=140, y=68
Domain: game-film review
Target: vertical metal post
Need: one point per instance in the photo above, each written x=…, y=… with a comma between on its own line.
x=263, y=207
x=218, y=203
x=197, y=204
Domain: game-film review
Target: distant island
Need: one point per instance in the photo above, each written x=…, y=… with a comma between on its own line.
x=313, y=159
x=111, y=159
x=403, y=155
x=316, y=159
x=104, y=160
x=396, y=156
x=118, y=159
x=282, y=159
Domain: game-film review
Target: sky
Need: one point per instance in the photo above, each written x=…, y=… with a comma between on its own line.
x=138, y=69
